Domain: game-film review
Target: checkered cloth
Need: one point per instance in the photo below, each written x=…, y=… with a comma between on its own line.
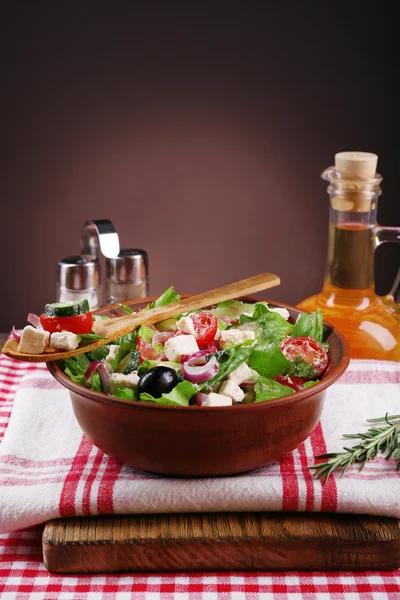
x=23, y=575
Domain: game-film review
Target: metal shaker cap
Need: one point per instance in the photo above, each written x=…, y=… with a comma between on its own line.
x=78, y=273
x=131, y=265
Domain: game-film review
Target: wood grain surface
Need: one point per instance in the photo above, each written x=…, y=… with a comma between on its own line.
x=213, y=542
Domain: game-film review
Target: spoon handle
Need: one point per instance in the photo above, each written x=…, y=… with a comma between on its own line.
x=114, y=328
x=123, y=325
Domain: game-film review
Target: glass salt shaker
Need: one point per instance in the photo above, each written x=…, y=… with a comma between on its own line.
x=127, y=276
x=78, y=278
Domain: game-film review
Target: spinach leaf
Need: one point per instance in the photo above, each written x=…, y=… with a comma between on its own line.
x=92, y=337
x=272, y=329
x=301, y=368
x=269, y=362
x=99, y=353
x=228, y=360
x=179, y=396
x=268, y=389
x=309, y=325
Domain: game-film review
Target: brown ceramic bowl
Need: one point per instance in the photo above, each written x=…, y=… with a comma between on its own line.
x=195, y=441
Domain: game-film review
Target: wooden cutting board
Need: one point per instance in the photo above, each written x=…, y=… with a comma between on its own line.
x=221, y=541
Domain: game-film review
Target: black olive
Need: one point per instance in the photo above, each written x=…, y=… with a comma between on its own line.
x=157, y=381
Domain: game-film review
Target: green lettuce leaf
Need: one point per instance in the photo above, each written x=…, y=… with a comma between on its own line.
x=167, y=297
x=76, y=367
x=179, y=396
x=127, y=344
x=76, y=378
x=97, y=385
x=308, y=384
x=268, y=389
x=145, y=333
x=149, y=364
x=125, y=393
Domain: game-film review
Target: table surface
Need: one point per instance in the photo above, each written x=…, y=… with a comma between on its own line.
x=23, y=575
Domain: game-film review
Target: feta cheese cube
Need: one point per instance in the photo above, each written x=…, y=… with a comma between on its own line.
x=233, y=337
x=214, y=399
x=175, y=347
x=118, y=380
x=231, y=389
x=64, y=340
x=33, y=341
x=241, y=373
x=186, y=325
x=112, y=353
x=281, y=311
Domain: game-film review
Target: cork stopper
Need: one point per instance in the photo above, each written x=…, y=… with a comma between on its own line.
x=356, y=188
x=360, y=165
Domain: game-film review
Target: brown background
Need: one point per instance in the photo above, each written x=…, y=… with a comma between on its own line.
x=199, y=130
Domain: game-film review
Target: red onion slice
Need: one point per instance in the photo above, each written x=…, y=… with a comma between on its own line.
x=101, y=367
x=198, y=358
x=34, y=320
x=15, y=335
x=200, y=398
x=225, y=319
x=197, y=374
x=161, y=337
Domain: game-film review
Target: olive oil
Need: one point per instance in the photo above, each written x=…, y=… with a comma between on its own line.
x=348, y=299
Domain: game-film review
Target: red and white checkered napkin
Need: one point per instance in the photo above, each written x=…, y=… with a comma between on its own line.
x=49, y=469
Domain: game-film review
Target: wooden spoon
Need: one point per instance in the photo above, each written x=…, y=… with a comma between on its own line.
x=114, y=328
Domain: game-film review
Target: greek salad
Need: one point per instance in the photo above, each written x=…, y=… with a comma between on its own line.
x=232, y=353
x=61, y=326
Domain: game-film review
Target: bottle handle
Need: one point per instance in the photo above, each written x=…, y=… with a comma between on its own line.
x=383, y=235
x=98, y=236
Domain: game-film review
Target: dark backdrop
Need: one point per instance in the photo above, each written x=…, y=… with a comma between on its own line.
x=199, y=129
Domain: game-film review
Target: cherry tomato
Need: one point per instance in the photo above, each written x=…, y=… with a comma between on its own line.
x=308, y=349
x=78, y=324
x=205, y=325
x=296, y=383
x=146, y=351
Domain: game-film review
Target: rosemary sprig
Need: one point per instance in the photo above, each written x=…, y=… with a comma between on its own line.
x=376, y=440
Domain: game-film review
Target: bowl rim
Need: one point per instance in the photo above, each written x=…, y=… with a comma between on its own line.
x=100, y=397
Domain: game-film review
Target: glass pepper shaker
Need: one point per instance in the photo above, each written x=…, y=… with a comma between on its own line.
x=127, y=276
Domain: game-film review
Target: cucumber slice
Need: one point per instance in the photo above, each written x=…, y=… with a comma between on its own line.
x=130, y=363
x=66, y=309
